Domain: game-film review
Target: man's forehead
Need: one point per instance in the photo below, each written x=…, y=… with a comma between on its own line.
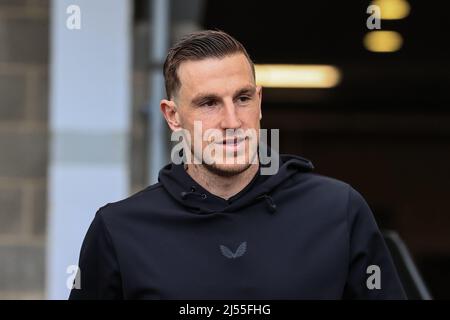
x=215, y=73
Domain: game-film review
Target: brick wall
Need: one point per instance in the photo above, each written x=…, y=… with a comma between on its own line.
x=24, y=54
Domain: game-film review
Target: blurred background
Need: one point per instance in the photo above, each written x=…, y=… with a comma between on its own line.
x=80, y=83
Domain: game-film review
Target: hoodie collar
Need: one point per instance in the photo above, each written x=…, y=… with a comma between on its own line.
x=186, y=191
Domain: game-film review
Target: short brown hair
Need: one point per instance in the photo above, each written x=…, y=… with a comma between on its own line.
x=197, y=46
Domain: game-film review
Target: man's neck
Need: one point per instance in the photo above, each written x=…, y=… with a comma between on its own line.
x=222, y=186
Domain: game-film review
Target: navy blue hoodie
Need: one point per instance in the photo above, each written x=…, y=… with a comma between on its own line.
x=292, y=235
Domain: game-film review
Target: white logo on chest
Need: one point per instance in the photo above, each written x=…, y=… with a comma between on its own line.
x=240, y=251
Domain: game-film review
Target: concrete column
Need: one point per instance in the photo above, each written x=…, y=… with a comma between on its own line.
x=89, y=125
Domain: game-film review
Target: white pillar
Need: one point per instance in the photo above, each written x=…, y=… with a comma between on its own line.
x=90, y=113
x=159, y=39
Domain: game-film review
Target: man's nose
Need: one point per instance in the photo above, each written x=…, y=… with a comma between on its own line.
x=230, y=118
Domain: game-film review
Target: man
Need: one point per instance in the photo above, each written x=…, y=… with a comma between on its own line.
x=220, y=229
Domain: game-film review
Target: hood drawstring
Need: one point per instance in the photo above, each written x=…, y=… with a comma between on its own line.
x=270, y=203
x=268, y=199
x=177, y=183
x=193, y=192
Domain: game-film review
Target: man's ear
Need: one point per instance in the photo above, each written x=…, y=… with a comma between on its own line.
x=170, y=112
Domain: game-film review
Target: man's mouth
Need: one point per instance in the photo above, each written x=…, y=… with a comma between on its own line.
x=233, y=145
x=233, y=141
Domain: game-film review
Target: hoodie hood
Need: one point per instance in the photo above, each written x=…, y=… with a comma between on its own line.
x=197, y=199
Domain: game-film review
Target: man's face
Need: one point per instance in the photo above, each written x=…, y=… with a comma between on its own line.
x=220, y=94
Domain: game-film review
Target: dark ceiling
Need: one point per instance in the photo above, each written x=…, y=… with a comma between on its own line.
x=416, y=78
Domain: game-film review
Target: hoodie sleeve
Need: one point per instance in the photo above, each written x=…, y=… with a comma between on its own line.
x=372, y=274
x=98, y=267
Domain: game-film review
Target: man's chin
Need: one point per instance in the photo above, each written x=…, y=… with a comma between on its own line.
x=226, y=170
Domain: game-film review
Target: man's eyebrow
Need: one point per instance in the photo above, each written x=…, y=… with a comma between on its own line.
x=204, y=97
x=250, y=90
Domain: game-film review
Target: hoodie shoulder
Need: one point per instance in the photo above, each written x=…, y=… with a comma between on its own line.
x=328, y=197
x=136, y=201
x=315, y=180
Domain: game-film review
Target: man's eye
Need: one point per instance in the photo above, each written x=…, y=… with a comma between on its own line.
x=244, y=99
x=210, y=103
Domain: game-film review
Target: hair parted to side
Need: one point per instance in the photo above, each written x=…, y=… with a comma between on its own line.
x=197, y=46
